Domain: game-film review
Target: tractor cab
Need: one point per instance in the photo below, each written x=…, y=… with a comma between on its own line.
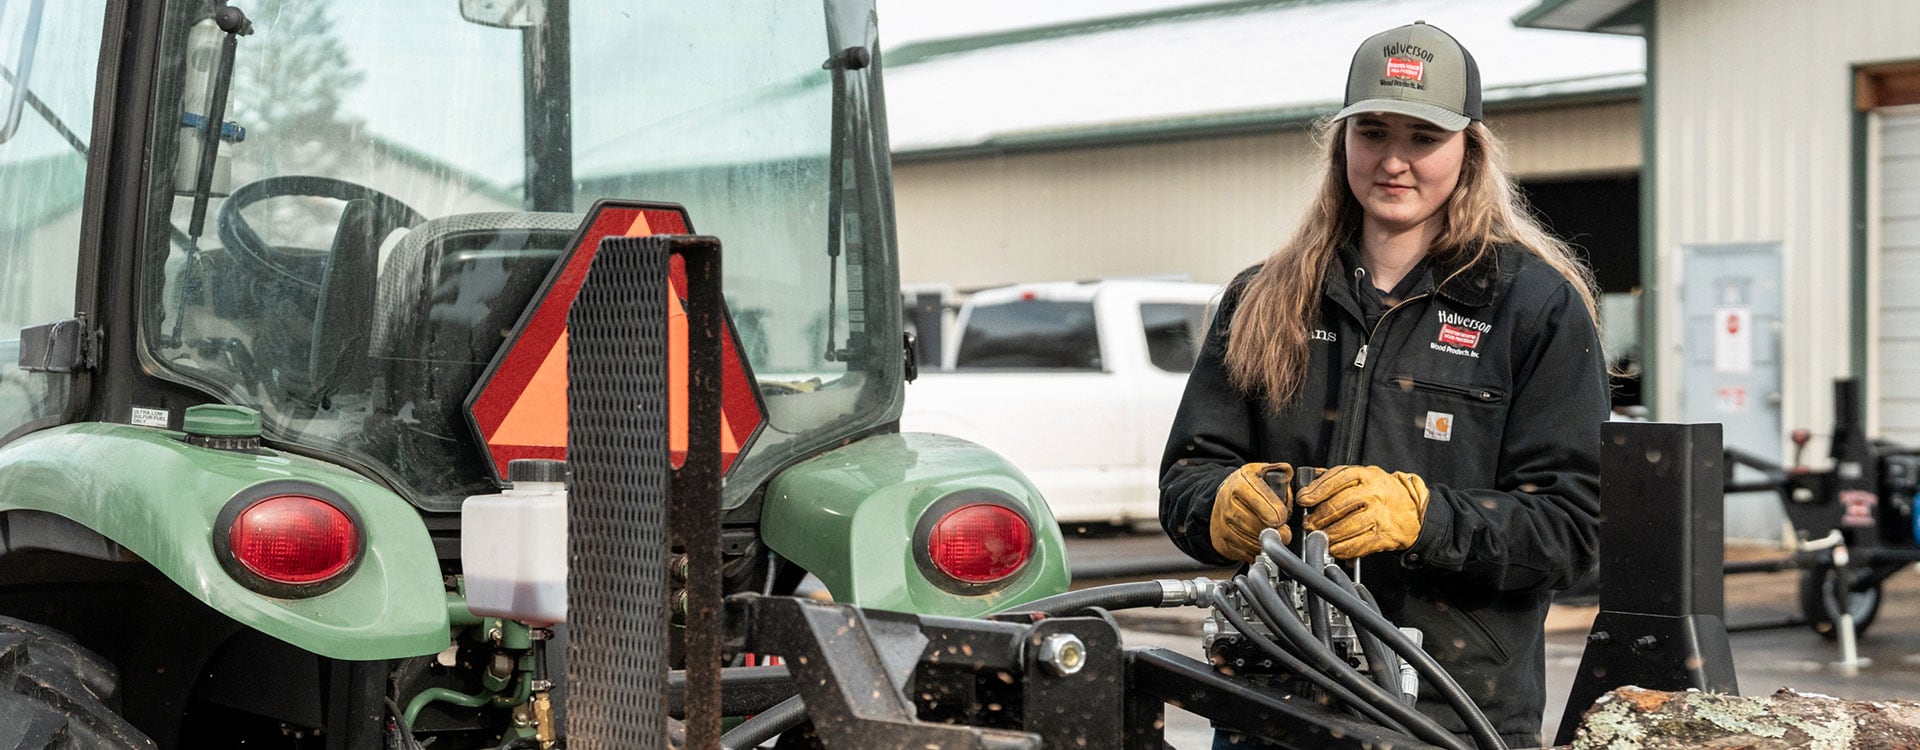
x=393, y=184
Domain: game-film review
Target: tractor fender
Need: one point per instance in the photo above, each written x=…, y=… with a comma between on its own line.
x=849, y=516
x=158, y=497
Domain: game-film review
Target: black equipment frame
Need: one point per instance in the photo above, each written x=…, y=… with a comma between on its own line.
x=867, y=678
x=1662, y=594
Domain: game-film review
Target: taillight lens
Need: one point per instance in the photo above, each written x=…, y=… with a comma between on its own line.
x=980, y=543
x=294, y=540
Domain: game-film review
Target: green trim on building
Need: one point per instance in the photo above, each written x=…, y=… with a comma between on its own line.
x=1857, y=218
x=1650, y=285
x=1215, y=125
x=913, y=52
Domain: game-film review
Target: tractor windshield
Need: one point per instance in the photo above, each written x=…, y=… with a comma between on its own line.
x=395, y=179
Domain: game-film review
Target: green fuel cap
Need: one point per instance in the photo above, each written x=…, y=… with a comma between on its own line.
x=221, y=421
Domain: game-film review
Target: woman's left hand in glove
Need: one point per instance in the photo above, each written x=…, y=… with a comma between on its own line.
x=1365, y=509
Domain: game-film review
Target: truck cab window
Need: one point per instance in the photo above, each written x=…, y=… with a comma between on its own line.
x=1032, y=334
x=1173, y=333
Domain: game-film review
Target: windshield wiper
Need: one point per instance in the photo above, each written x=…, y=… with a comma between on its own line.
x=46, y=113
x=17, y=77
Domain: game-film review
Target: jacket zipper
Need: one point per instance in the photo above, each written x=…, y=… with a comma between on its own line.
x=1359, y=408
x=1475, y=394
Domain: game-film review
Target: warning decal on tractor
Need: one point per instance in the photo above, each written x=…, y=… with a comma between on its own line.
x=519, y=407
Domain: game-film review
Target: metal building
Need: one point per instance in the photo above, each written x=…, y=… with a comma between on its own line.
x=1782, y=212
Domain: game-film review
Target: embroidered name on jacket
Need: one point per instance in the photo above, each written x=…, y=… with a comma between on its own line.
x=1459, y=334
x=1322, y=334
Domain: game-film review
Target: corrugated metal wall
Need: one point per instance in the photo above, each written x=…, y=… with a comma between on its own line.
x=1201, y=208
x=1896, y=203
x=1753, y=145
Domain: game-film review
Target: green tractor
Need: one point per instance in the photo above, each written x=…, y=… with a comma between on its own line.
x=270, y=264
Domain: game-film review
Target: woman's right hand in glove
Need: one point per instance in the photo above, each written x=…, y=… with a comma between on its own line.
x=1254, y=498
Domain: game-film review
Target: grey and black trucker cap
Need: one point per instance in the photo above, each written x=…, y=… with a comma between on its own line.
x=1415, y=70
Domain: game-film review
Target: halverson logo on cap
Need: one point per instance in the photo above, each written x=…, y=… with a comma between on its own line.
x=1415, y=70
x=1402, y=68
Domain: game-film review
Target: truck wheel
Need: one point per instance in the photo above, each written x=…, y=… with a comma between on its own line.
x=1820, y=600
x=56, y=693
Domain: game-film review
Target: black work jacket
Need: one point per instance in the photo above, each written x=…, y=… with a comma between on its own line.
x=1490, y=386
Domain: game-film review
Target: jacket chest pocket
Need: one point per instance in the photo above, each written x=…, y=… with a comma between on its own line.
x=1445, y=430
x=1470, y=393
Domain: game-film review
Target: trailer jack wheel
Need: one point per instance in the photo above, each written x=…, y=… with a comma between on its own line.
x=1820, y=600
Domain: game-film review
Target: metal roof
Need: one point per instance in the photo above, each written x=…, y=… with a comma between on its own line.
x=1210, y=68
x=1607, y=16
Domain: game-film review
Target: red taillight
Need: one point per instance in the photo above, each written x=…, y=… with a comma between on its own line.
x=980, y=543
x=294, y=540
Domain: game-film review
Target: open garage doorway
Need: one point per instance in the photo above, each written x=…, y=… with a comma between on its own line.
x=1600, y=216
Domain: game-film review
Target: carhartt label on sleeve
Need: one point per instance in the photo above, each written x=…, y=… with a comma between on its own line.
x=1439, y=426
x=146, y=417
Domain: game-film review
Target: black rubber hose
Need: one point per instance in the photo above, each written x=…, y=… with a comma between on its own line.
x=401, y=730
x=1314, y=549
x=765, y=725
x=1380, y=660
x=1412, y=696
x=1483, y=732
x=1294, y=665
x=1276, y=614
x=1112, y=596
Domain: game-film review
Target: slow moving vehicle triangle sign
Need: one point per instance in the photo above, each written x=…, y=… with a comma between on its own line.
x=519, y=406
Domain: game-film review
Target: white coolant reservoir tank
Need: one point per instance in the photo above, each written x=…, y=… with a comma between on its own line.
x=513, y=545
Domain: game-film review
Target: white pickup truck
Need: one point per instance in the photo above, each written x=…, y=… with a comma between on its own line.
x=1075, y=383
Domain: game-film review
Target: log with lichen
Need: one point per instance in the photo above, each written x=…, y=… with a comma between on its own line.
x=1631, y=717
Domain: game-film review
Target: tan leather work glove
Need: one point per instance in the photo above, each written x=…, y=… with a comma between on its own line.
x=1248, y=504
x=1365, y=510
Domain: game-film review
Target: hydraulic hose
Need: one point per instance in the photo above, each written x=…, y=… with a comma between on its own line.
x=402, y=730
x=765, y=725
x=1276, y=614
x=1381, y=661
x=1483, y=732
x=1296, y=666
x=1314, y=549
x=1408, y=692
x=1112, y=596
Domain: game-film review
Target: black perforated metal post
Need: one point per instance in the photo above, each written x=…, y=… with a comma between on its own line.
x=695, y=510
x=1661, y=551
x=617, y=505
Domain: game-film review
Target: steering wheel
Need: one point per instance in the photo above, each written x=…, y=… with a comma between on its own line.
x=332, y=356
x=364, y=223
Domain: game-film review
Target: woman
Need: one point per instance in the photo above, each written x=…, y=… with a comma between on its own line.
x=1423, y=341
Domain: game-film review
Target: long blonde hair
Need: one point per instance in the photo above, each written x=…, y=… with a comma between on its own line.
x=1267, y=349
